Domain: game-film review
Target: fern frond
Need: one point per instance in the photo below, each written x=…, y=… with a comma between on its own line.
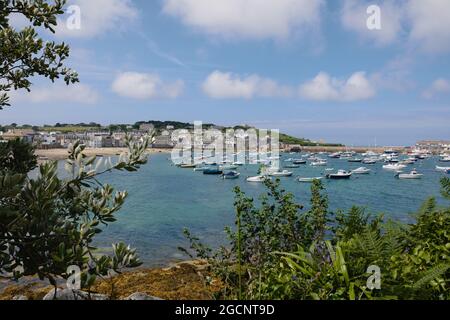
x=431, y=275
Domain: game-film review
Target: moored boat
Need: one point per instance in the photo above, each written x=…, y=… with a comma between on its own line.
x=355, y=160
x=443, y=169
x=257, y=179
x=298, y=161
x=341, y=174
x=412, y=175
x=231, y=175
x=320, y=163
x=361, y=170
x=213, y=171
x=394, y=166
x=309, y=180
x=284, y=173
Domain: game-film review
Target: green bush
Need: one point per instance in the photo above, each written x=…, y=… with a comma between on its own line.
x=278, y=251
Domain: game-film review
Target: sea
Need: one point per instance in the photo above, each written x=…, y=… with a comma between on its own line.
x=164, y=199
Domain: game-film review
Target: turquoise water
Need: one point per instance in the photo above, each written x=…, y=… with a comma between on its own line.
x=165, y=199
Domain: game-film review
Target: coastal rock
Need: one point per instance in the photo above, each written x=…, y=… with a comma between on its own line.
x=68, y=294
x=141, y=296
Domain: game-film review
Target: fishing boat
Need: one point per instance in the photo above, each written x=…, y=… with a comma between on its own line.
x=340, y=175
x=412, y=175
x=361, y=170
x=284, y=173
x=231, y=175
x=394, y=166
x=298, y=161
x=309, y=180
x=257, y=179
x=443, y=169
x=213, y=171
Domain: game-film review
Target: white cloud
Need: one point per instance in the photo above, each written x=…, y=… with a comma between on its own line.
x=430, y=24
x=144, y=86
x=225, y=85
x=325, y=88
x=422, y=25
x=439, y=86
x=76, y=93
x=98, y=17
x=252, y=19
x=354, y=18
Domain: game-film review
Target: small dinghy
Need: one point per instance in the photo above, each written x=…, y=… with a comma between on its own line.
x=340, y=175
x=361, y=170
x=412, y=175
x=231, y=175
x=309, y=180
x=284, y=173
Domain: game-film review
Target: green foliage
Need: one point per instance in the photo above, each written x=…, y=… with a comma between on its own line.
x=445, y=187
x=279, y=252
x=17, y=156
x=23, y=54
x=48, y=224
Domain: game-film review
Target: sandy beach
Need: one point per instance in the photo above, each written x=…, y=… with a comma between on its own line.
x=61, y=154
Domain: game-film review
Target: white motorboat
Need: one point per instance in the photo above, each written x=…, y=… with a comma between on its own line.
x=341, y=174
x=412, y=175
x=257, y=179
x=238, y=163
x=319, y=163
x=369, y=161
x=443, y=169
x=394, y=166
x=445, y=159
x=309, y=180
x=284, y=173
x=361, y=170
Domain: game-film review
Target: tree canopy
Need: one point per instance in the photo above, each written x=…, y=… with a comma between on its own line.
x=23, y=53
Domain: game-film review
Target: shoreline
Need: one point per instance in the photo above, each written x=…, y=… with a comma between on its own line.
x=61, y=154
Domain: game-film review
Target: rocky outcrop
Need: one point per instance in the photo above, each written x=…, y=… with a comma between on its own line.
x=68, y=294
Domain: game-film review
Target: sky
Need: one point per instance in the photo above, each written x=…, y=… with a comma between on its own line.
x=310, y=68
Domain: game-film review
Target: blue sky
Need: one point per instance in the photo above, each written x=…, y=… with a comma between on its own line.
x=310, y=68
